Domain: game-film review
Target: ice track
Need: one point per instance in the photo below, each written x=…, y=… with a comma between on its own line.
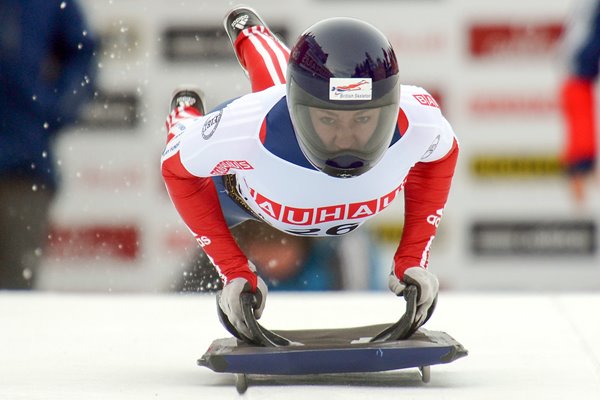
x=70, y=346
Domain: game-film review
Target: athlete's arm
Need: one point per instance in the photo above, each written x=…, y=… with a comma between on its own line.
x=197, y=202
x=425, y=195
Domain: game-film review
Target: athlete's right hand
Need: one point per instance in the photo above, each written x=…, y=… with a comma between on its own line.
x=230, y=305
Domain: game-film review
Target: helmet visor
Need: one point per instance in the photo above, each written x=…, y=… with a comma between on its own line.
x=346, y=139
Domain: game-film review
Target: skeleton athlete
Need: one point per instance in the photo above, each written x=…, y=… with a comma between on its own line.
x=308, y=157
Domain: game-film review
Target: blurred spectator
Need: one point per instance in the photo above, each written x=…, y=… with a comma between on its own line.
x=581, y=49
x=46, y=52
x=285, y=262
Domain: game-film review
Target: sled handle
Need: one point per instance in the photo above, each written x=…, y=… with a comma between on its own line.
x=400, y=330
x=261, y=335
x=404, y=328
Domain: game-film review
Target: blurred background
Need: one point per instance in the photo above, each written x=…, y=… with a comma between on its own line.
x=496, y=69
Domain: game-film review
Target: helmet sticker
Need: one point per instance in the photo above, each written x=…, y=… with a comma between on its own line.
x=350, y=88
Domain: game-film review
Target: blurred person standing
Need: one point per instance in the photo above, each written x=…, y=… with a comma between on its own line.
x=46, y=52
x=581, y=50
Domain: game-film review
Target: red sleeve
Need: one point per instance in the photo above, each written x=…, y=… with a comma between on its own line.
x=197, y=202
x=425, y=194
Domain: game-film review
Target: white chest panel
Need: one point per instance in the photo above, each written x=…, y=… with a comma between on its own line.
x=293, y=198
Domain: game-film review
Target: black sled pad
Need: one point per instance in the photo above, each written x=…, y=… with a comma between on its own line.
x=321, y=351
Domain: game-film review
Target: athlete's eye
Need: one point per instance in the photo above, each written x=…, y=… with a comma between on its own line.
x=362, y=119
x=327, y=121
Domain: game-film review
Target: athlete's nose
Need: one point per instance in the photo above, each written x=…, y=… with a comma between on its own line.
x=344, y=140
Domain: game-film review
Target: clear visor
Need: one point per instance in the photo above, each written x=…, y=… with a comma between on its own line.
x=345, y=139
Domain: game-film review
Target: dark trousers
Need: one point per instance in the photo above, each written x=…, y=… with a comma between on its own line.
x=24, y=224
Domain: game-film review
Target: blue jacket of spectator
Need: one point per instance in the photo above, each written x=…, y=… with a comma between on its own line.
x=46, y=74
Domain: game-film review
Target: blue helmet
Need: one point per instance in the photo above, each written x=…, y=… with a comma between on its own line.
x=343, y=94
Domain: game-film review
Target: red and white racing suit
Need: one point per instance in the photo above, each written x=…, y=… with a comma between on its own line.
x=251, y=141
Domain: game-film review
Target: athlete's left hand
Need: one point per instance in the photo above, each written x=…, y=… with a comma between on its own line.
x=427, y=288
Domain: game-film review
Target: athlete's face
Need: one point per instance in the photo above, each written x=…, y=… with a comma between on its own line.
x=344, y=130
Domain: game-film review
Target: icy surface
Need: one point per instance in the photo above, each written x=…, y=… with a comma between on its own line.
x=521, y=346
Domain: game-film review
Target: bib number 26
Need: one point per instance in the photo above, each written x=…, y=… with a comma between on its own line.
x=332, y=231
